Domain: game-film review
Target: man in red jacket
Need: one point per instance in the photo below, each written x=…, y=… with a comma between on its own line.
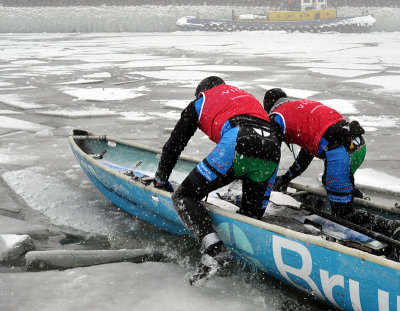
x=322, y=132
x=247, y=149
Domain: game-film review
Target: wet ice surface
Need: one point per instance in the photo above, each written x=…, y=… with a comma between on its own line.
x=49, y=84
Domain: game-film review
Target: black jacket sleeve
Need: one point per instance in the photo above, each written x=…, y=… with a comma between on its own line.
x=301, y=163
x=180, y=136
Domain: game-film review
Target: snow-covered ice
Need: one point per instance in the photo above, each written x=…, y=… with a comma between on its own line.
x=369, y=176
x=126, y=286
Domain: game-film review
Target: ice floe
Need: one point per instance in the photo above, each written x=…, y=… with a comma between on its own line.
x=15, y=124
x=88, y=113
x=17, y=101
x=341, y=105
x=368, y=177
x=388, y=83
x=135, y=116
x=104, y=94
x=218, y=68
x=162, y=62
x=98, y=75
x=12, y=246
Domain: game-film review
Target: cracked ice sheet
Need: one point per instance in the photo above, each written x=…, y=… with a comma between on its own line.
x=167, y=115
x=5, y=112
x=80, y=81
x=135, y=116
x=88, y=113
x=346, y=65
x=15, y=124
x=219, y=68
x=186, y=78
x=341, y=105
x=104, y=94
x=377, y=121
x=345, y=73
x=388, y=83
x=368, y=177
x=98, y=75
x=109, y=57
x=65, y=202
x=10, y=156
x=179, y=104
x=17, y=101
x=163, y=62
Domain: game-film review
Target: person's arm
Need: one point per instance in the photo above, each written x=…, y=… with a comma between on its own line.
x=301, y=163
x=180, y=136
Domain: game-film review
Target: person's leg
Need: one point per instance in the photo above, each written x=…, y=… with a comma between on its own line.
x=214, y=172
x=186, y=200
x=256, y=162
x=338, y=181
x=256, y=196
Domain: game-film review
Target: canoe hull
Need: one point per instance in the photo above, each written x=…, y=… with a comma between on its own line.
x=340, y=276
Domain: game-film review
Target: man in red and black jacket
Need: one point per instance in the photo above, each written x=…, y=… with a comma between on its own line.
x=322, y=132
x=247, y=149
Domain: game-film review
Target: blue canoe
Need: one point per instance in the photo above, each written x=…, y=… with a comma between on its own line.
x=340, y=276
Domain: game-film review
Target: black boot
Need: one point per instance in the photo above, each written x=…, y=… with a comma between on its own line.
x=214, y=257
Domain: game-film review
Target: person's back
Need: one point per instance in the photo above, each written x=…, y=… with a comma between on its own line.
x=305, y=121
x=219, y=104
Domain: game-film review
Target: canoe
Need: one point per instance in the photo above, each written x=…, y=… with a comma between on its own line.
x=341, y=276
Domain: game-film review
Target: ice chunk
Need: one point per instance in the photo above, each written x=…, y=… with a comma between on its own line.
x=12, y=246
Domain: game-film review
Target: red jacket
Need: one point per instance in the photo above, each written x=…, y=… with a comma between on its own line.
x=224, y=102
x=306, y=122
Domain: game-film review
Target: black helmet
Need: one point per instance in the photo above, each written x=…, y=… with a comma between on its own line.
x=208, y=83
x=271, y=96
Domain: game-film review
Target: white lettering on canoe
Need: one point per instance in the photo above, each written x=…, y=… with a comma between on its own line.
x=327, y=282
x=383, y=300
x=304, y=272
x=354, y=288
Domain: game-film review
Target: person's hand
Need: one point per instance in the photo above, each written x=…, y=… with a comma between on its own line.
x=281, y=183
x=163, y=184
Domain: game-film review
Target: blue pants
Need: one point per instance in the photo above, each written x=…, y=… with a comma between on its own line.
x=338, y=178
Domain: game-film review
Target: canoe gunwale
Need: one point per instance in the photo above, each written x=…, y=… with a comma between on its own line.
x=308, y=239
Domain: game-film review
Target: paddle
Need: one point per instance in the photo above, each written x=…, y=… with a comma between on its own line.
x=378, y=236
x=358, y=201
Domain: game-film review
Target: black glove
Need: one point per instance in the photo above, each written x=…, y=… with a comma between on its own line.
x=282, y=182
x=163, y=184
x=357, y=193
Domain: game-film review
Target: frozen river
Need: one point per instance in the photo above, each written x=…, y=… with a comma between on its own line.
x=133, y=86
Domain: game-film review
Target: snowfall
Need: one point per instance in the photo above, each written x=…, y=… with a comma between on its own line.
x=66, y=68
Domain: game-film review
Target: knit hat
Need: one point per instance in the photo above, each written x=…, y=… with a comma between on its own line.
x=208, y=83
x=270, y=98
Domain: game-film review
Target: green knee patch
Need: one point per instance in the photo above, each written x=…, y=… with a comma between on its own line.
x=357, y=158
x=258, y=170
